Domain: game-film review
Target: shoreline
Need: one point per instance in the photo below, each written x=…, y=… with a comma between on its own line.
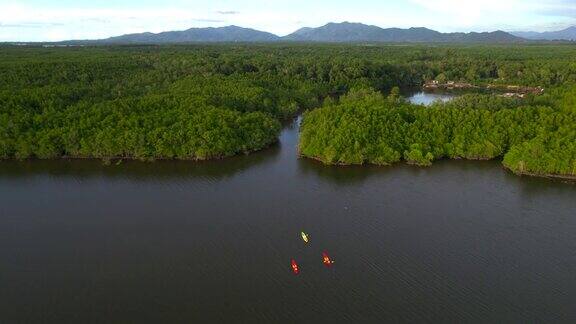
x=110, y=159
x=565, y=178
x=506, y=90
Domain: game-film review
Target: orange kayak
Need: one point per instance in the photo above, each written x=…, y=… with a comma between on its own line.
x=294, y=265
x=326, y=259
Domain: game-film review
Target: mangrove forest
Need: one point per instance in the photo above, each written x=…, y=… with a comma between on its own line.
x=202, y=102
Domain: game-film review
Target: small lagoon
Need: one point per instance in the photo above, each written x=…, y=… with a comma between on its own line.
x=428, y=98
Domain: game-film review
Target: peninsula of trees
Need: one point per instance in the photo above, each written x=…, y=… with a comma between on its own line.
x=535, y=136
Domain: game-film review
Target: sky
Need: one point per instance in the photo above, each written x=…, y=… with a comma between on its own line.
x=54, y=20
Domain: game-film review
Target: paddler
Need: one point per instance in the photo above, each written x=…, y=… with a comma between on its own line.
x=326, y=259
x=304, y=237
x=294, y=266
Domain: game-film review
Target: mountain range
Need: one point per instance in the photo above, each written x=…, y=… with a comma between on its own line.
x=345, y=32
x=222, y=34
x=565, y=34
x=355, y=32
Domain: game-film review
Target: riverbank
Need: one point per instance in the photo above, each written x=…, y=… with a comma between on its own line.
x=113, y=159
x=567, y=178
x=503, y=90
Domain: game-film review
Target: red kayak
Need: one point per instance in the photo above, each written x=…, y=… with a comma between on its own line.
x=326, y=259
x=295, y=266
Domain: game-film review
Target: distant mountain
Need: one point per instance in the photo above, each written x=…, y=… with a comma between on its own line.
x=492, y=37
x=222, y=34
x=565, y=34
x=333, y=32
x=356, y=32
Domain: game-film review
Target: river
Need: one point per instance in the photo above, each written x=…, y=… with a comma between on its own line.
x=461, y=241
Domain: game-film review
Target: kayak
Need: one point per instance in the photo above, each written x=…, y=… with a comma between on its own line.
x=326, y=259
x=305, y=237
x=294, y=266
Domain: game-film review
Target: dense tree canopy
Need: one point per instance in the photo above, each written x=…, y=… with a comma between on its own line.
x=365, y=127
x=212, y=101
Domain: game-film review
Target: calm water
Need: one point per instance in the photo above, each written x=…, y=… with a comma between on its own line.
x=428, y=98
x=189, y=242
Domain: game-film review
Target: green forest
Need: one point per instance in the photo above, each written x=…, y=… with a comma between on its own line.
x=212, y=101
x=534, y=136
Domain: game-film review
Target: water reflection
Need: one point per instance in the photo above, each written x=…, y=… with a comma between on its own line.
x=137, y=170
x=341, y=175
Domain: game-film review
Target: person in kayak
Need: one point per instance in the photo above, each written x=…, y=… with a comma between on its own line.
x=326, y=259
x=304, y=237
x=294, y=265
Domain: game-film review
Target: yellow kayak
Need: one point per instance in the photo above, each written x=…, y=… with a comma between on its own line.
x=305, y=237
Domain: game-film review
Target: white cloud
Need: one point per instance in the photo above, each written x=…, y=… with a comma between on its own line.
x=227, y=12
x=499, y=14
x=470, y=13
x=19, y=21
x=58, y=24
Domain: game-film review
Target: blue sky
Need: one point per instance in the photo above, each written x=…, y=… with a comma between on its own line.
x=52, y=20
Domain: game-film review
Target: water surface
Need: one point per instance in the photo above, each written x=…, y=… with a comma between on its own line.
x=428, y=98
x=197, y=242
